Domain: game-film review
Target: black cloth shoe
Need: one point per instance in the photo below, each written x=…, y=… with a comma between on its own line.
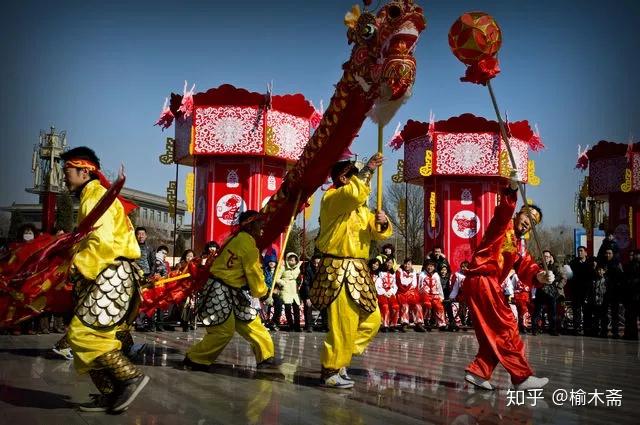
x=98, y=403
x=418, y=327
x=270, y=363
x=128, y=392
x=189, y=364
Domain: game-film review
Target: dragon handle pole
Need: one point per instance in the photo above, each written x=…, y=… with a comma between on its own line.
x=505, y=137
x=280, y=263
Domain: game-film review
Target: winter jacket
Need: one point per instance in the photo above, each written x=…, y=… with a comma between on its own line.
x=288, y=280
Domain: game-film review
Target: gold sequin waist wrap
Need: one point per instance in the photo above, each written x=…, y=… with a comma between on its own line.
x=335, y=271
x=112, y=299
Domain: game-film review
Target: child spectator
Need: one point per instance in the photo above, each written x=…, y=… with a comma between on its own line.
x=521, y=299
x=408, y=297
x=389, y=252
x=431, y=295
x=457, y=281
x=447, y=284
x=509, y=287
x=288, y=280
x=387, y=288
x=374, y=268
x=596, y=303
x=269, y=266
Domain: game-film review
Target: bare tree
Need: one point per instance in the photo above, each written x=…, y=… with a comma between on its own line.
x=395, y=206
x=557, y=239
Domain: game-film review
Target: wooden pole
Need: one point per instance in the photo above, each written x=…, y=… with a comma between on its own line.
x=175, y=219
x=304, y=235
x=505, y=137
x=406, y=222
x=284, y=245
x=380, y=148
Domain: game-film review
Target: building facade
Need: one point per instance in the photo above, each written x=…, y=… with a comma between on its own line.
x=153, y=214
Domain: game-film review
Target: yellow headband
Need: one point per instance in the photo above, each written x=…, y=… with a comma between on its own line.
x=533, y=213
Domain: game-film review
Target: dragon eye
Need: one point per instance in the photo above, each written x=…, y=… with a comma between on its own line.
x=368, y=31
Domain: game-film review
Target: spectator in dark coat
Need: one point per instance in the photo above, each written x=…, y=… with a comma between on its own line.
x=582, y=268
x=547, y=297
x=615, y=283
x=609, y=242
x=147, y=253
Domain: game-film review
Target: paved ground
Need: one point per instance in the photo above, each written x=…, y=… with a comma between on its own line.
x=402, y=379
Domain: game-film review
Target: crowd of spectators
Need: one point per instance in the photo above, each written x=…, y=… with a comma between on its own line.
x=592, y=295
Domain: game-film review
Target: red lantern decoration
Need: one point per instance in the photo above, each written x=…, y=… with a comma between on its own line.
x=475, y=39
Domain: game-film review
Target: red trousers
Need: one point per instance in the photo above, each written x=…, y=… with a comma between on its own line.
x=432, y=303
x=389, y=310
x=496, y=331
x=410, y=302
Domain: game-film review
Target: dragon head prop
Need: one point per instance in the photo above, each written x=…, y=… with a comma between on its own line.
x=382, y=60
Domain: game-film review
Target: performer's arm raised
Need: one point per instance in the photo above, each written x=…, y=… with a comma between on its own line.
x=347, y=198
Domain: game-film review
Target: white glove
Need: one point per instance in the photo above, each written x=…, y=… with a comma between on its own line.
x=269, y=301
x=545, y=277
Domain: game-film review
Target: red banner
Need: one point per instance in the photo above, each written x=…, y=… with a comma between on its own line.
x=229, y=195
x=463, y=211
x=271, y=179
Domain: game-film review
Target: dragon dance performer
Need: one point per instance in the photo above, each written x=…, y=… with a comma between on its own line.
x=106, y=280
x=225, y=303
x=343, y=283
x=496, y=330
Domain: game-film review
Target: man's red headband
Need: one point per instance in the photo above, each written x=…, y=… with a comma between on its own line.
x=81, y=163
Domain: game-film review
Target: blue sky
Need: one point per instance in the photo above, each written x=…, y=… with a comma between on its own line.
x=101, y=70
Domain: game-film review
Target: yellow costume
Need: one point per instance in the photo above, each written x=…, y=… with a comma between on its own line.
x=343, y=284
x=106, y=289
x=225, y=308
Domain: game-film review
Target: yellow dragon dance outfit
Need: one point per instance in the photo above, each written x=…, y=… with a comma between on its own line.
x=225, y=304
x=343, y=283
x=106, y=293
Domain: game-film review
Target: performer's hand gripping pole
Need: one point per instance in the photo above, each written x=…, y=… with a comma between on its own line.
x=505, y=137
x=281, y=258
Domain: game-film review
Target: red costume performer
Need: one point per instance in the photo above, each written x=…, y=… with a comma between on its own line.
x=496, y=331
x=431, y=295
x=387, y=289
x=408, y=297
